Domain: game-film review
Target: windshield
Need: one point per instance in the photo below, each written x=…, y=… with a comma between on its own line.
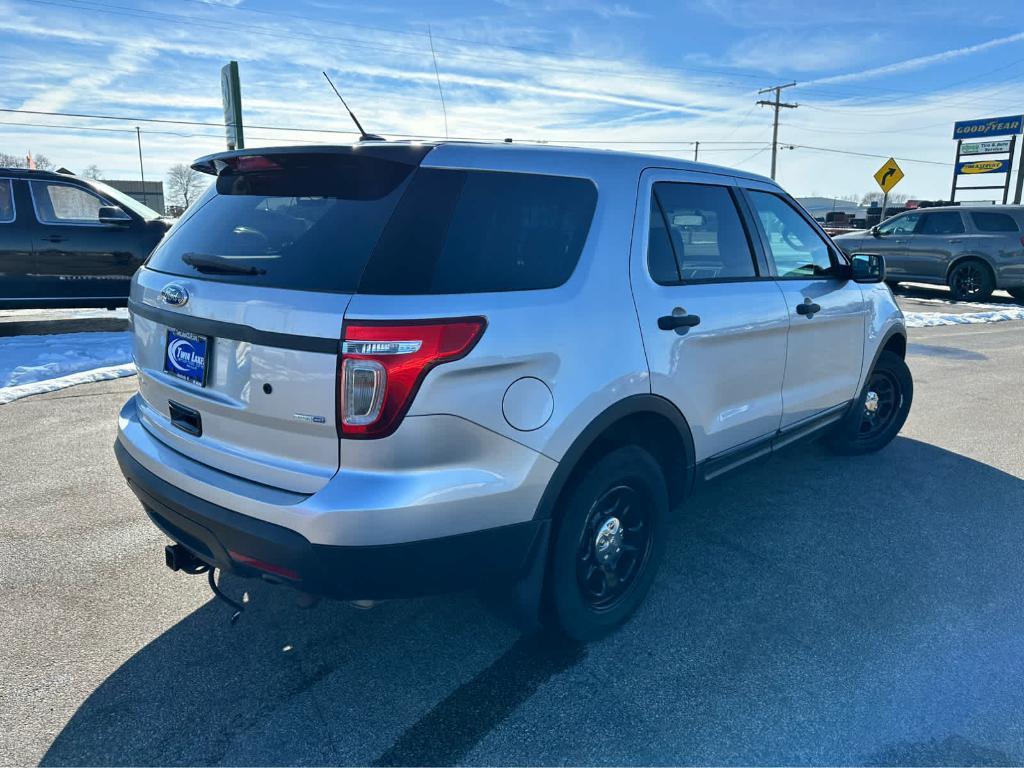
x=125, y=201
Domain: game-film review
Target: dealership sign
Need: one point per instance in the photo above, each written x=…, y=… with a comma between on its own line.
x=991, y=126
x=985, y=147
x=984, y=166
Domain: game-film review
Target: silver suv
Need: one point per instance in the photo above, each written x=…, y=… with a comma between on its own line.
x=395, y=369
x=972, y=249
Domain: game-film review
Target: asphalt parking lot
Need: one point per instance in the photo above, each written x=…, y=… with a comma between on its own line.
x=811, y=610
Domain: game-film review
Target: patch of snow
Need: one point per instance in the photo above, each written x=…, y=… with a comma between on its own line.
x=19, y=315
x=10, y=394
x=950, y=303
x=32, y=364
x=932, y=319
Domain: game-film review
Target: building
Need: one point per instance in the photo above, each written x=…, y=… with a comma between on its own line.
x=149, y=193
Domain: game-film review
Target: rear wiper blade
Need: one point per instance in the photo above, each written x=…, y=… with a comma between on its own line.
x=217, y=265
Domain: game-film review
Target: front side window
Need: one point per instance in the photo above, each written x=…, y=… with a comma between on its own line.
x=6, y=201
x=793, y=244
x=65, y=204
x=900, y=225
x=994, y=222
x=942, y=223
x=696, y=233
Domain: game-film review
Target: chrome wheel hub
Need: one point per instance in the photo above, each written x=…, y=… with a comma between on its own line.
x=608, y=542
x=871, y=403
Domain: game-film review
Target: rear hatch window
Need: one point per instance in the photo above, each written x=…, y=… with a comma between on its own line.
x=351, y=224
x=298, y=221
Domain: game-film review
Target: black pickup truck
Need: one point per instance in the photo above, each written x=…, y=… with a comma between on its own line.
x=67, y=241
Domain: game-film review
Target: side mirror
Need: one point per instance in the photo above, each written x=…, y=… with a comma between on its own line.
x=875, y=231
x=867, y=268
x=112, y=214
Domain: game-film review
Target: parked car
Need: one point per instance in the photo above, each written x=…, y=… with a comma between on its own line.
x=972, y=249
x=396, y=369
x=67, y=241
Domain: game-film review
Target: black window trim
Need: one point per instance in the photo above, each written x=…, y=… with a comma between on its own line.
x=755, y=256
x=833, y=253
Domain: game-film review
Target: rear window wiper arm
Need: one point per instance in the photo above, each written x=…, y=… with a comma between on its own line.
x=215, y=265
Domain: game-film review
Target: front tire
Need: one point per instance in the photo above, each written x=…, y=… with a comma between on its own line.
x=880, y=411
x=971, y=280
x=608, y=544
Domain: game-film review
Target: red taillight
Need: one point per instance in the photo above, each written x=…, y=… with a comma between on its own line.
x=383, y=364
x=252, y=163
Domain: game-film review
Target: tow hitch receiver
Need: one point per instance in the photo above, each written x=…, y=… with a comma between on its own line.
x=179, y=558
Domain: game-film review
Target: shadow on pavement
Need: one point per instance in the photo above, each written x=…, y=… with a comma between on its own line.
x=811, y=609
x=941, y=292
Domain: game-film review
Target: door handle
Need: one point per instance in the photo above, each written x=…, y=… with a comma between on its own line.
x=678, y=321
x=956, y=240
x=55, y=238
x=808, y=308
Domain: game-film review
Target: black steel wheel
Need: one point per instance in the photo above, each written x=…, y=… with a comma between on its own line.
x=971, y=280
x=613, y=546
x=880, y=406
x=609, y=536
x=879, y=413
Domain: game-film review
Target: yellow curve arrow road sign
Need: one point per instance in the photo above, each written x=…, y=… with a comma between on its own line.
x=889, y=175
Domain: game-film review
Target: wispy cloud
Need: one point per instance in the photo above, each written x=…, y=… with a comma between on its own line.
x=601, y=9
x=919, y=62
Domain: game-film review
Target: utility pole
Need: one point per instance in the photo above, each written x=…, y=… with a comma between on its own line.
x=696, y=147
x=777, y=104
x=142, y=172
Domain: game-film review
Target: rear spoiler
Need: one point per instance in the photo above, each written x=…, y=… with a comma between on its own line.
x=407, y=154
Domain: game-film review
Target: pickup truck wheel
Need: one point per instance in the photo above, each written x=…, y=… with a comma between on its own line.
x=608, y=544
x=1018, y=294
x=880, y=411
x=971, y=280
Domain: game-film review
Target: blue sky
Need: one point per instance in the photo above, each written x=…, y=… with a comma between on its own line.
x=873, y=78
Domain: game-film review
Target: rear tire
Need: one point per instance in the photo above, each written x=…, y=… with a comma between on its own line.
x=879, y=412
x=1017, y=293
x=608, y=544
x=971, y=280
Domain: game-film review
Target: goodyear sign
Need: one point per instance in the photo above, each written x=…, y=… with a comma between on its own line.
x=983, y=166
x=991, y=126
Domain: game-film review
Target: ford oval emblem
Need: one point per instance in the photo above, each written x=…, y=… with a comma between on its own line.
x=174, y=294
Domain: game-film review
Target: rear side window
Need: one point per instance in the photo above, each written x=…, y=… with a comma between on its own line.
x=994, y=222
x=696, y=234
x=941, y=223
x=461, y=231
x=303, y=222
x=6, y=201
x=65, y=204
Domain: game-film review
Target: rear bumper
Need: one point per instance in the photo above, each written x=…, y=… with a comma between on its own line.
x=486, y=558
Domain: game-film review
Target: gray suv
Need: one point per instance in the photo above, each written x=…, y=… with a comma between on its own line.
x=396, y=369
x=972, y=249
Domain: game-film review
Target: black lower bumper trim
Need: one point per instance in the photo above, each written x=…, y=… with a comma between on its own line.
x=481, y=559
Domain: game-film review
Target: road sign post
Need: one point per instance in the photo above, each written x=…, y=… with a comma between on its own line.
x=231, y=92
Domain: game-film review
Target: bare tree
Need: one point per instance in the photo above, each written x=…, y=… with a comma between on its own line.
x=43, y=163
x=92, y=172
x=8, y=160
x=184, y=184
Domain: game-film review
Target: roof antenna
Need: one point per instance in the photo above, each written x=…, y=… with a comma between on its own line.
x=363, y=135
x=437, y=74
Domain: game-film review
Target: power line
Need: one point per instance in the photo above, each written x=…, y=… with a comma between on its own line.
x=864, y=154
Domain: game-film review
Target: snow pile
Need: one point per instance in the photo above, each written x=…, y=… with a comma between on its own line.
x=931, y=319
x=30, y=365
